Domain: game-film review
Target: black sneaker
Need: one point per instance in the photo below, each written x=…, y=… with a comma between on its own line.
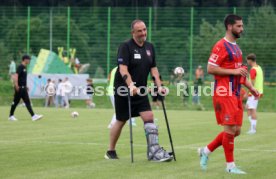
x=111, y=155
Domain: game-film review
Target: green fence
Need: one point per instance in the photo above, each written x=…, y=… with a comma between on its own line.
x=182, y=36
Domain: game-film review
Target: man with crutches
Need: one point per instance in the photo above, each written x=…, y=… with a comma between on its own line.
x=136, y=59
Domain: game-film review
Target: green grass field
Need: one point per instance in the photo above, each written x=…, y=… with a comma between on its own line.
x=59, y=146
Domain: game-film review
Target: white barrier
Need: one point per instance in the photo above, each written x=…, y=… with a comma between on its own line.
x=37, y=84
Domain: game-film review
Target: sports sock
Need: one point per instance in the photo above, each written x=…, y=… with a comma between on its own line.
x=206, y=150
x=230, y=165
x=132, y=121
x=215, y=143
x=113, y=120
x=249, y=118
x=253, y=124
x=228, y=145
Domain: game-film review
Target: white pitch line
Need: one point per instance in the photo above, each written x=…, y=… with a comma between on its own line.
x=143, y=145
x=137, y=145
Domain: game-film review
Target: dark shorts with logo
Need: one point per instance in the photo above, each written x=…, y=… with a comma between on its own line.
x=138, y=104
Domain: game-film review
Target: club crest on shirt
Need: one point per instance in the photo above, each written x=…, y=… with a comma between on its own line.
x=148, y=53
x=120, y=60
x=214, y=57
x=24, y=70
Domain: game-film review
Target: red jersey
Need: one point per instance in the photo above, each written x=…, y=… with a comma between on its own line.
x=226, y=55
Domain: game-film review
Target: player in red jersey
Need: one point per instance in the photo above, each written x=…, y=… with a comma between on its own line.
x=225, y=64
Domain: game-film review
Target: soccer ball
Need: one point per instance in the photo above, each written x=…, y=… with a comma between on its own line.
x=179, y=71
x=92, y=105
x=74, y=114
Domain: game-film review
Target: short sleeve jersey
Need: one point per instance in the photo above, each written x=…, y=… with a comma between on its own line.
x=226, y=55
x=22, y=75
x=139, y=61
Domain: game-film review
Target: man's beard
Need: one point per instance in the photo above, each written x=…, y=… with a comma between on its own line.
x=236, y=35
x=143, y=39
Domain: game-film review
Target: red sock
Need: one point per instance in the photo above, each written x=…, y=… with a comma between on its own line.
x=216, y=142
x=228, y=145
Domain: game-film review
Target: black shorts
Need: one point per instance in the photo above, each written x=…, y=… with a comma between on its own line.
x=138, y=104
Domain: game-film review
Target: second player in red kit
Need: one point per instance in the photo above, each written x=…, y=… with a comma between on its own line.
x=225, y=63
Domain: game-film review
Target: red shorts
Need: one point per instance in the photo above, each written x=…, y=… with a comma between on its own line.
x=228, y=109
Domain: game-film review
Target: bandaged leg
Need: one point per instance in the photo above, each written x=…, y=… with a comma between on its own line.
x=154, y=151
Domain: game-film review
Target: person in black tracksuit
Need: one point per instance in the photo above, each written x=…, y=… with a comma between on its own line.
x=21, y=90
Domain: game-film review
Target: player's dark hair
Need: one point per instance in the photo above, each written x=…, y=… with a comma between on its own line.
x=26, y=57
x=231, y=19
x=134, y=22
x=251, y=56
